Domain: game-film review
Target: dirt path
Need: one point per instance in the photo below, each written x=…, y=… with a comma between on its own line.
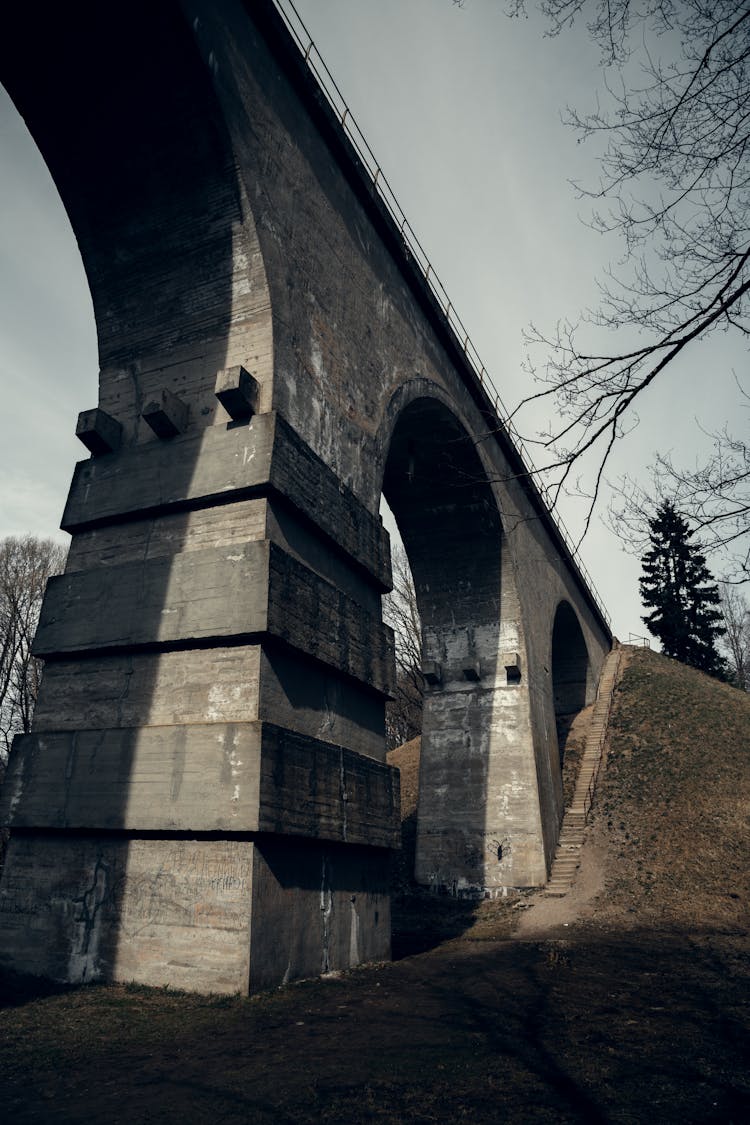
x=548, y=917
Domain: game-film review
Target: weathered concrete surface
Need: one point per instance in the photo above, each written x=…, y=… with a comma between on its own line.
x=177, y=912
x=230, y=463
x=338, y=901
x=215, y=594
x=222, y=594
x=261, y=778
x=159, y=911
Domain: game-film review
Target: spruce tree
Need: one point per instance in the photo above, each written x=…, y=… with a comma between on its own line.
x=678, y=588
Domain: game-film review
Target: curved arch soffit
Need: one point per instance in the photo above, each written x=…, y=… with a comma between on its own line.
x=569, y=661
x=123, y=110
x=438, y=490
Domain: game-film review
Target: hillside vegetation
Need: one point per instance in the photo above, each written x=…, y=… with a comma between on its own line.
x=634, y=1010
x=673, y=805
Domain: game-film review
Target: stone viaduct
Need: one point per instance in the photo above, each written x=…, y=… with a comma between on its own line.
x=204, y=800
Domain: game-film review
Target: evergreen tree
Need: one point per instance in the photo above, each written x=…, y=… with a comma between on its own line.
x=677, y=587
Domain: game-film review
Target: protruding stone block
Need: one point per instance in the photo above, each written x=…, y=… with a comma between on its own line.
x=150, y=476
x=167, y=416
x=473, y=672
x=237, y=391
x=432, y=672
x=99, y=431
x=512, y=663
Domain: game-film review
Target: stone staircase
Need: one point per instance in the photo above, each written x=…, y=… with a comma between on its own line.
x=568, y=856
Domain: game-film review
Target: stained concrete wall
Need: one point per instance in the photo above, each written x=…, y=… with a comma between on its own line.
x=216, y=664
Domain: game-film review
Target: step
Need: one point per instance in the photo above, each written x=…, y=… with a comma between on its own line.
x=567, y=858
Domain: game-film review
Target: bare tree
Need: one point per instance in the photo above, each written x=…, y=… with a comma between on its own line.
x=736, y=617
x=404, y=713
x=716, y=495
x=675, y=183
x=25, y=565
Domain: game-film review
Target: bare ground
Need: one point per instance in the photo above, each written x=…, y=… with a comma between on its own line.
x=625, y=1002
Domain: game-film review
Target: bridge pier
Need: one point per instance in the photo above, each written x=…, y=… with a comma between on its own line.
x=204, y=799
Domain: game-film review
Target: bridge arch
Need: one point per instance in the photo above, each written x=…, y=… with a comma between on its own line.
x=443, y=500
x=571, y=669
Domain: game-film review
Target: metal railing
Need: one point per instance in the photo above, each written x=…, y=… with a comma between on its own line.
x=329, y=87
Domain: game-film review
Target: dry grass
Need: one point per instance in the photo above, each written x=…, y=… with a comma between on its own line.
x=673, y=804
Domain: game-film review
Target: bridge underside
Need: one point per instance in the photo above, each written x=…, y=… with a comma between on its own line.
x=204, y=800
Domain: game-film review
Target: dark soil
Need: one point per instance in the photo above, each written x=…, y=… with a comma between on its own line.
x=638, y=1013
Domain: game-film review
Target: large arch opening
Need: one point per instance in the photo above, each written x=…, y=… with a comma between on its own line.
x=48, y=375
x=570, y=671
x=449, y=523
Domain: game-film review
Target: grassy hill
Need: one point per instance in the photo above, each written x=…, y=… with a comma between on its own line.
x=638, y=1012
x=673, y=805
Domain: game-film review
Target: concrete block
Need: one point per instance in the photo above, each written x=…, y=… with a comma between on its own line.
x=339, y=900
x=160, y=912
x=203, y=594
x=315, y=700
x=186, y=686
x=171, y=778
x=228, y=684
x=314, y=790
x=214, y=916
x=314, y=617
x=229, y=464
x=432, y=672
x=167, y=415
x=218, y=777
x=238, y=392
x=99, y=431
x=164, y=536
x=237, y=592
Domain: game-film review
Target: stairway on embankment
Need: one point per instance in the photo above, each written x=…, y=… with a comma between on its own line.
x=568, y=855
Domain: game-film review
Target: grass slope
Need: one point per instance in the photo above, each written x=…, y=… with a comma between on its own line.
x=673, y=805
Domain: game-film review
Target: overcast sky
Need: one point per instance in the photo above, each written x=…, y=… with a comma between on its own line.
x=462, y=107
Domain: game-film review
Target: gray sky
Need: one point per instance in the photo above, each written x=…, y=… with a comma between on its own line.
x=462, y=108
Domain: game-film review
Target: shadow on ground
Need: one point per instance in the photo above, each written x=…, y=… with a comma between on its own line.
x=601, y=1027
x=421, y=920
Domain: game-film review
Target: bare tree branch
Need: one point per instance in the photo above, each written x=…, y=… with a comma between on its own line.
x=404, y=713
x=25, y=566
x=675, y=172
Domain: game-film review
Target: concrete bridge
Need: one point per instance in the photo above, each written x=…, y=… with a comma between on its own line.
x=204, y=800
